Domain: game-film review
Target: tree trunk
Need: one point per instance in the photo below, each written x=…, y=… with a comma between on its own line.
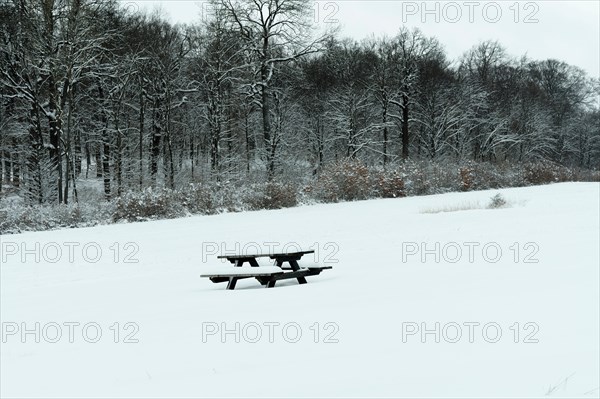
x=68, y=153
x=171, y=177
x=77, y=153
x=384, y=119
x=266, y=119
x=35, y=154
x=385, y=136
x=405, y=141
x=105, y=146
x=248, y=143
x=55, y=137
x=106, y=163
x=98, y=157
x=7, y=167
x=192, y=154
x=119, y=162
x=88, y=158
x=215, y=132
x=155, y=145
x=141, y=138
x=16, y=164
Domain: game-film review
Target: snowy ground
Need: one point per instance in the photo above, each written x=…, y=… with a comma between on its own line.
x=366, y=315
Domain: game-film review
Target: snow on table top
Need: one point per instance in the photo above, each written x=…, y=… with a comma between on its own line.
x=263, y=255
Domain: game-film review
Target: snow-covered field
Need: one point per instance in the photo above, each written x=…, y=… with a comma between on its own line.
x=515, y=292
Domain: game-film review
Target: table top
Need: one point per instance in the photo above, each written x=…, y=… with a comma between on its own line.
x=272, y=255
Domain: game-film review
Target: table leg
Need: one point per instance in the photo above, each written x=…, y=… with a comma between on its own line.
x=231, y=284
x=296, y=267
x=240, y=262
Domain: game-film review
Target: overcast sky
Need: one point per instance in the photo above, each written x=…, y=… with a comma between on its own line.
x=565, y=30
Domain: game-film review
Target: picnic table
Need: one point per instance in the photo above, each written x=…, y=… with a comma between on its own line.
x=267, y=276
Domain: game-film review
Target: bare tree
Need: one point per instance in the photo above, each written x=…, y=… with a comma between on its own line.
x=410, y=47
x=274, y=32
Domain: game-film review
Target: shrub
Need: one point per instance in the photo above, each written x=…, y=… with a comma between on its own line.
x=586, y=175
x=225, y=197
x=345, y=180
x=388, y=184
x=196, y=198
x=17, y=217
x=546, y=172
x=416, y=180
x=488, y=176
x=467, y=178
x=463, y=206
x=497, y=201
x=271, y=195
x=148, y=204
x=442, y=178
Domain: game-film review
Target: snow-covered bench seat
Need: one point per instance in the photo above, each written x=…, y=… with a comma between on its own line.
x=238, y=273
x=243, y=272
x=266, y=275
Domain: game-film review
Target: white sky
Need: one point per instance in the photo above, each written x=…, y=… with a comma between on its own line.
x=565, y=30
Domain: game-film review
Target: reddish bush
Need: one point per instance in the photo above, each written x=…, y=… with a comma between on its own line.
x=345, y=180
x=467, y=178
x=271, y=195
x=388, y=184
x=546, y=172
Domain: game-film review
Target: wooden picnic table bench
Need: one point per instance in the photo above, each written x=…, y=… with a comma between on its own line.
x=266, y=275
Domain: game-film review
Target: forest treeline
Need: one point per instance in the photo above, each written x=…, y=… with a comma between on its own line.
x=252, y=93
